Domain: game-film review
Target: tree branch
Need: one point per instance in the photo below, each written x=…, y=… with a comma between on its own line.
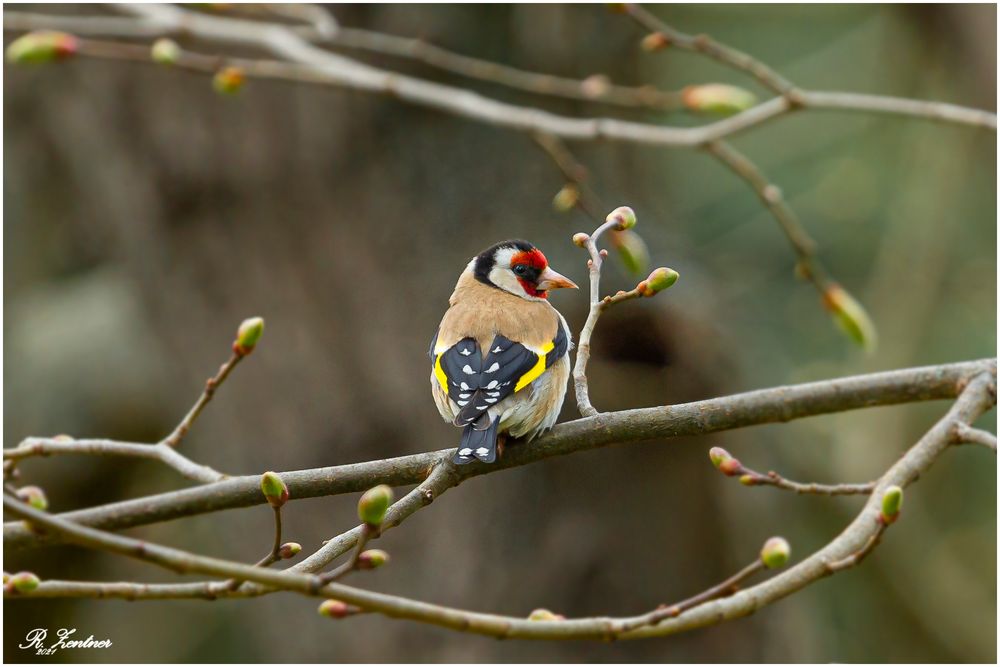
x=978, y=396
x=967, y=435
x=764, y=406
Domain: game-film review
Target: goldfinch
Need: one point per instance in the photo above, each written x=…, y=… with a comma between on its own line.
x=499, y=359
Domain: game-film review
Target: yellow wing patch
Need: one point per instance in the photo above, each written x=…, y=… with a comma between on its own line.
x=536, y=370
x=439, y=374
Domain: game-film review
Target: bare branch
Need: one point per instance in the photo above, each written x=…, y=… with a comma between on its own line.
x=733, y=467
x=967, y=435
x=977, y=397
x=778, y=404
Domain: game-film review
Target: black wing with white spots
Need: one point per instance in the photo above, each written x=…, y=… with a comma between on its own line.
x=475, y=384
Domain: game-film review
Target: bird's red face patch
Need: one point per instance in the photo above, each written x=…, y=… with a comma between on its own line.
x=534, y=262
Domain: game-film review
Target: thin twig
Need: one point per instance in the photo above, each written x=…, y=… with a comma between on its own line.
x=733, y=467
x=597, y=306
x=352, y=563
x=727, y=587
x=161, y=452
x=211, y=385
x=967, y=435
x=764, y=406
x=272, y=556
x=803, y=245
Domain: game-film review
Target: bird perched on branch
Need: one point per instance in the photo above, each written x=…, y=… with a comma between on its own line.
x=499, y=362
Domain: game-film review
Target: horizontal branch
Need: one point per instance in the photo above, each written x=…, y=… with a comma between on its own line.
x=764, y=406
x=977, y=396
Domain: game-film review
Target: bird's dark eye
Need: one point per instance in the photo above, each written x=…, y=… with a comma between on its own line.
x=520, y=269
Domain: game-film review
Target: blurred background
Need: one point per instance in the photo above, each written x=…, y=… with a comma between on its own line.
x=145, y=216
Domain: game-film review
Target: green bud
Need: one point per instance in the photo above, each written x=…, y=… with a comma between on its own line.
x=775, y=553
x=373, y=505
x=228, y=80
x=24, y=582
x=747, y=479
x=247, y=335
x=545, y=615
x=632, y=251
x=274, y=489
x=659, y=280
x=580, y=239
x=6, y=577
x=892, y=504
x=42, y=46
x=566, y=198
x=334, y=609
x=289, y=550
x=717, y=98
x=851, y=317
x=624, y=216
x=165, y=51
x=371, y=559
x=34, y=496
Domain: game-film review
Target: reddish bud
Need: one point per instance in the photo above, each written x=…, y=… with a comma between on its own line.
x=289, y=550
x=580, y=239
x=334, y=609
x=228, y=80
x=371, y=559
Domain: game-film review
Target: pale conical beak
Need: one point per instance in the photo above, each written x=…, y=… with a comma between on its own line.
x=549, y=279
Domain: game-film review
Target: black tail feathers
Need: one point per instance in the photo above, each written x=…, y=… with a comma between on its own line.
x=478, y=444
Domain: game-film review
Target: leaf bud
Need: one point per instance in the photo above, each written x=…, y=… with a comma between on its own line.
x=34, y=496
x=165, y=51
x=228, y=80
x=247, y=335
x=41, y=46
x=775, y=553
x=274, y=489
x=566, y=198
x=24, y=582
x=850, y=316
x=892, y=504
x=659, y=280
x=289, y=550
x=545, y=615
x=717, y=98
x=371, y=559
x=373, y=504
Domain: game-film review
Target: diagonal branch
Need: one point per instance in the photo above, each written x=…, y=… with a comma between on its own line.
x=764, y=406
